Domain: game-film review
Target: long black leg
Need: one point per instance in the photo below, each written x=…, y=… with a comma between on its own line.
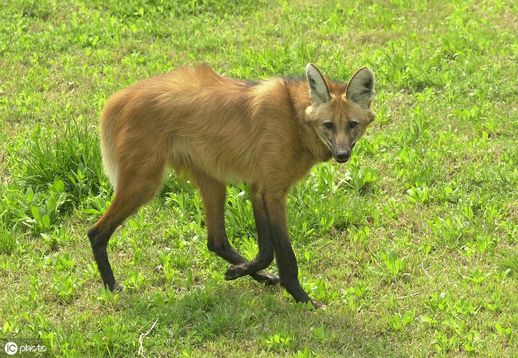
x=265, y=256
x=213, y=193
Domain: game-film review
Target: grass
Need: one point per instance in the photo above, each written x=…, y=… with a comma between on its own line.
x=412, y=244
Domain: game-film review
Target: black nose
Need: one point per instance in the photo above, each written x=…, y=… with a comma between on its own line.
x=342, y=155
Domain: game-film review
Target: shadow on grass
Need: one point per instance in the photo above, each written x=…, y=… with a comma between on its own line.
x=227, y=318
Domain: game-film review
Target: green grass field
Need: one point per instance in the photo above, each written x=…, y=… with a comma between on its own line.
x=411, y=245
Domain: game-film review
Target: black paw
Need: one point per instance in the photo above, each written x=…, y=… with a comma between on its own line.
x=115, y=287
x=236, y=271
x=265, y=278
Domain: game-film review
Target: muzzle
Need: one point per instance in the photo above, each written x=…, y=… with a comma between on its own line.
x=342, y=155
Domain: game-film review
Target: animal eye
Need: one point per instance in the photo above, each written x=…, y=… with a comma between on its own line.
x=353, y=124
x=329, y=125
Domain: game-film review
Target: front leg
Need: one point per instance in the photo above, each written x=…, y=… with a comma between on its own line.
x=286, y=260
x=213, y=195
x=265, y=256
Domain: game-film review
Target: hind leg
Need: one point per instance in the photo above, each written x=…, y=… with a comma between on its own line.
x=134, y=188
x=213, y=193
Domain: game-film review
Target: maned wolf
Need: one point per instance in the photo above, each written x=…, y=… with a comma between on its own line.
x=215, y=129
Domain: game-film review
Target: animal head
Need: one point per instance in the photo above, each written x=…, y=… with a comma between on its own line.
x=340, y=117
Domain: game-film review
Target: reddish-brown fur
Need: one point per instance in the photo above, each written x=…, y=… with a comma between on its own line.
x=215, y=129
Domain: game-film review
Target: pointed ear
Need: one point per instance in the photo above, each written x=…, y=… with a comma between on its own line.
x=361, y=87
x=318, y=90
